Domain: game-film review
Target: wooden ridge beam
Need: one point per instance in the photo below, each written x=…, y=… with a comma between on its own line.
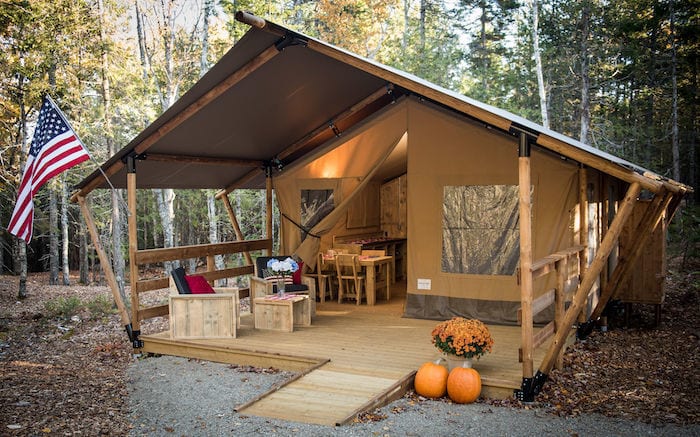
x=223, y=86
x=206, y=160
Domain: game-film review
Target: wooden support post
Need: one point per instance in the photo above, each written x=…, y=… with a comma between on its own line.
x=105, y=263
x=651, y=218
x=526, y=291
x=133, y=243
x=588, y=279
x=268, y=205
x=236, y=226
x=583, y=232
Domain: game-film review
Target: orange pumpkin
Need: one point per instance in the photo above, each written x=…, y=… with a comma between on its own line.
x=463, y=385
x=431, y=380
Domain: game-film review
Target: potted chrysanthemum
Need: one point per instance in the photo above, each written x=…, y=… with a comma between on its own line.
x=461, y=339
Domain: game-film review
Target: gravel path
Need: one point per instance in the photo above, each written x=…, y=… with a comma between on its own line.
x=172, y=396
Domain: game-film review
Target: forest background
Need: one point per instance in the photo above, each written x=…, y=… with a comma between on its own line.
x=619, y=75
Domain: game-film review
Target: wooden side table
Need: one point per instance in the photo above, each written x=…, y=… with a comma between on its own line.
x=282, y=313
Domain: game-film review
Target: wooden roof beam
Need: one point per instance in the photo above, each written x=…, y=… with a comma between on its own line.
x=206, y=160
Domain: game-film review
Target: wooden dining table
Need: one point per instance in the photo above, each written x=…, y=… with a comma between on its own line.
x=370, y=264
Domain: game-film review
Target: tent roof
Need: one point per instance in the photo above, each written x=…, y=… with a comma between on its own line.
x=276, y=95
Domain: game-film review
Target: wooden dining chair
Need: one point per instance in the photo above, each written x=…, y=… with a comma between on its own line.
x=324, y=273
x=351, y=279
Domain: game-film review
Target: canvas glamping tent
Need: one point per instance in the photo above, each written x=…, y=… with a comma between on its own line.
x=503, y=218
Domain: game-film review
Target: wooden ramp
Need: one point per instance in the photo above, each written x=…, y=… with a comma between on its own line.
x=351, y=359
x=327, y=396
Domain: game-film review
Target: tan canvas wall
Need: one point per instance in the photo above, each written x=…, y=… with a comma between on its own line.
x=447, y=151
x=345, y=166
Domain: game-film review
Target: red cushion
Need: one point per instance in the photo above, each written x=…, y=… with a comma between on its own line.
x=296, y=276
x=198, y=284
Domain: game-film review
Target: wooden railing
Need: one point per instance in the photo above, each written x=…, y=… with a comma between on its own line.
x=561, y=263
x=209, y=251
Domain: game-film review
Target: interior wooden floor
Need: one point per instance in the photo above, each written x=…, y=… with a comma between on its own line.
x=351, y=359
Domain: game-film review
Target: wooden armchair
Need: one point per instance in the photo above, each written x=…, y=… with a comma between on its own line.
x=261, y=287
x=202, y=315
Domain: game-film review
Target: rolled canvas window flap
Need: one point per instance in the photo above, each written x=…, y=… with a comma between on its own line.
x=347, y=165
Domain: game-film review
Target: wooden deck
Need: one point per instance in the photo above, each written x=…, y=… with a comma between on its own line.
x=352, y=358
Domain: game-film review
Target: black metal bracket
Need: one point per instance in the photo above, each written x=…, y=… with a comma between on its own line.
x=136, y=342
x=290, y=39
x=334, y=128
x=130, y=160
x=584, y=329
x=530, y=387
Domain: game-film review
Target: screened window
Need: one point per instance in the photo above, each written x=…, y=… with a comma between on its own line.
x=480, y=229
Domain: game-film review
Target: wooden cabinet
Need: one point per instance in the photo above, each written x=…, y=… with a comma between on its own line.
x=393, y=207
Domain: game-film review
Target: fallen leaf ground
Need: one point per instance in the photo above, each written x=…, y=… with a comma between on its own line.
x=63, y=372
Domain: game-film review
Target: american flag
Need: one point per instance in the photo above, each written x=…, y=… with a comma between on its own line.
x=55, y=148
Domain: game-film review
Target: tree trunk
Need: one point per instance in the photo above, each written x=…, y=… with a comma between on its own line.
x=64, y=233
x=204, y=62
x=538, y=63
x=165, y=199
x=213, y=228
x=118, y=262
x=84, y=258
x=674, y=111
x=585, y=80
x=22, y=289
x=21, y=260
x=53, y=236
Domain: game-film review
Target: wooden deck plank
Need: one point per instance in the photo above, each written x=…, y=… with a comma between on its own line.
x=367, y=349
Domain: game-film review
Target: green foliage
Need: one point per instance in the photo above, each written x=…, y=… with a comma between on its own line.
x=64, y=307
x=101, y=306
x=684, y=233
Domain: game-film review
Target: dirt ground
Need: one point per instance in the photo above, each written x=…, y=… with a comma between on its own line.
x=64, y=355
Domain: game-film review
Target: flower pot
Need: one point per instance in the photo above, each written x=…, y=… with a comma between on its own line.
x=454, y=361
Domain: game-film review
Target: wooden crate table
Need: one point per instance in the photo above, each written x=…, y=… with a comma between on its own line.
x=282, y=313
